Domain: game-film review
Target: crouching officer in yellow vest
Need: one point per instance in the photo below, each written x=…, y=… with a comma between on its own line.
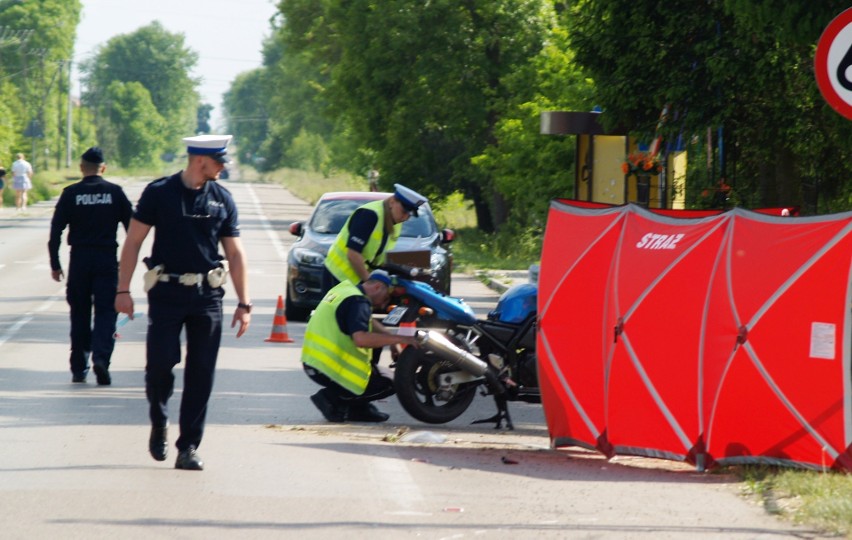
x=336, y=353
x=371, y=231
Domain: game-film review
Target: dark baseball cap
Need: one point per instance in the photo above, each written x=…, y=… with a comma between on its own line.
x=93, y=155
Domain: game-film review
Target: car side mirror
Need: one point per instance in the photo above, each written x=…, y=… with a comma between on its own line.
x=447, y=236
x=296, y=228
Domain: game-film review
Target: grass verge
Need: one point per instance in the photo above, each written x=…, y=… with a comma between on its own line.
x=822, y=500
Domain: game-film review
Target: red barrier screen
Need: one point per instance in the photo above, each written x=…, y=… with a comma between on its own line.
x=723, y=338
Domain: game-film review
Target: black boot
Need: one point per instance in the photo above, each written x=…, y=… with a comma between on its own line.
x=158, y=443
x=366, y=412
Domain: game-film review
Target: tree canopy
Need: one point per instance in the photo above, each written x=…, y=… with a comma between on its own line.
x=36, y=41
x=446, y=96
x=741, y=70
x=161, y=64
x=420, y=87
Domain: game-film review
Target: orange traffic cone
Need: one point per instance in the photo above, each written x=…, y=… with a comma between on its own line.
x=279, y=325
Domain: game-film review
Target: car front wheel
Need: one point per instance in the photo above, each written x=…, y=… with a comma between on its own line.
x=293, y=312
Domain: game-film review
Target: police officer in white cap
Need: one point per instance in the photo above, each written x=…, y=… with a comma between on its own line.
x=370, y=232
x=191, y=214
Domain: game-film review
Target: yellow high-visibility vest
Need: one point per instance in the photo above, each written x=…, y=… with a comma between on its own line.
x=338, y=263
x=332, y=352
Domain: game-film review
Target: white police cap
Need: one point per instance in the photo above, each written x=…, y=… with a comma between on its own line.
x=215, y=146
x=410, y=199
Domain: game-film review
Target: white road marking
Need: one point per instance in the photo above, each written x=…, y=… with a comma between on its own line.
x=27, y=317
x=399, y=486
x=267, y=226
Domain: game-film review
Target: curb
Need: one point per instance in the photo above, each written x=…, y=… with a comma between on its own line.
x=502, y=280
x=488, y=280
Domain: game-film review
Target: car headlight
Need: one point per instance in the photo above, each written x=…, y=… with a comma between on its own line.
x=308, y=256
x=437, y=261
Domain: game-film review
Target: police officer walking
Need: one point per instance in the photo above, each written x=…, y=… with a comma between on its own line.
x=91, y=209
x=191, y=214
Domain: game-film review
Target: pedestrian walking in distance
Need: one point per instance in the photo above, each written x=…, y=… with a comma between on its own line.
x=92, y=209
x=191, y=214
x=22, y=181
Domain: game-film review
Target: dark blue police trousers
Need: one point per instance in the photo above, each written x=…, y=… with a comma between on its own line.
x=92, y=279
x=197, y=310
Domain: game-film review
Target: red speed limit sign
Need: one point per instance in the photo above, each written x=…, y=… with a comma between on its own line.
x=833, y=63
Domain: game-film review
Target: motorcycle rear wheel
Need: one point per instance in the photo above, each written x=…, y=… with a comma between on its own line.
x=416, y=381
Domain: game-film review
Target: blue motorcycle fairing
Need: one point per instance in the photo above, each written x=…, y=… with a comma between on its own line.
x=516, y=304
x=445, y=307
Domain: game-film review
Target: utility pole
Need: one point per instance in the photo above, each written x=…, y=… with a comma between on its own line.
x=59, y=116
x=69, y=124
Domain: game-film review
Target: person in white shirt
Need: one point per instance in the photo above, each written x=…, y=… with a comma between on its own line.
x=22, y=174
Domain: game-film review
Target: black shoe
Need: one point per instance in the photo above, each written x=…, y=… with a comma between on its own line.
x=158, y=443
x=102, y=373
x=331, y=412
x=366, y=413
x=189, y=460
x=78, y=378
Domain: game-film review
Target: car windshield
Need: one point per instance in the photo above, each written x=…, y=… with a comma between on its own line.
x=330, y=216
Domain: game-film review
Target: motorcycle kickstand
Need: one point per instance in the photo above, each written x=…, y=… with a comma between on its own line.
x=502, y=413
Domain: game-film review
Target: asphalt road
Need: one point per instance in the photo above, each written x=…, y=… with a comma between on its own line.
x=75, y=462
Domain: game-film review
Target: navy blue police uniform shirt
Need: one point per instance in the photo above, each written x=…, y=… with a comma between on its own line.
x=188, y=223
x=354, y=314
x=361, y=226
x=91, y=208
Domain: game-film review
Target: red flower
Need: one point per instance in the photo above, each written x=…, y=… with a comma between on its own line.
x=641, y=164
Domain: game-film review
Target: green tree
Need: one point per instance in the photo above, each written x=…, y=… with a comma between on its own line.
x=38, y=41
x=738, y=74
x=421, y=85
x=10, y=121
x=529, y=169
x=295, y=82
x=245, y=105
x=161, y=63
x=132, y=134
x=202, y=116
x=799, y=149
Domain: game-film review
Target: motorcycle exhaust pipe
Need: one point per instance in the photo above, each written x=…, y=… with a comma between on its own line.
x=440, y=345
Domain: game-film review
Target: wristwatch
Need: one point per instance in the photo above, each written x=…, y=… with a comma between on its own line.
x=246, y=307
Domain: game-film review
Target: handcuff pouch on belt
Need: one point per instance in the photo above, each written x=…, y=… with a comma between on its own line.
x=152, y=276
x=216, y=277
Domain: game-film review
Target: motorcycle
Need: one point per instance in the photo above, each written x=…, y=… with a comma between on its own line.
x=458, y=353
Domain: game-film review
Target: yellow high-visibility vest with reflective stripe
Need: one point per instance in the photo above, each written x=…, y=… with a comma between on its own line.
x=338, y=263
x=329, y=350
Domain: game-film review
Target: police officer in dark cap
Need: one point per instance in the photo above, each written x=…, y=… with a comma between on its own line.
x=91, y=209
x=191, y=214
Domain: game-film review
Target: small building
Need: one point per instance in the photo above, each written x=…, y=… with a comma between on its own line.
x=599, y=157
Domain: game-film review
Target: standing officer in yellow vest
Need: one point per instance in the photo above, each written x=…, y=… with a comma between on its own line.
x=371, y=231
x=336, y=352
